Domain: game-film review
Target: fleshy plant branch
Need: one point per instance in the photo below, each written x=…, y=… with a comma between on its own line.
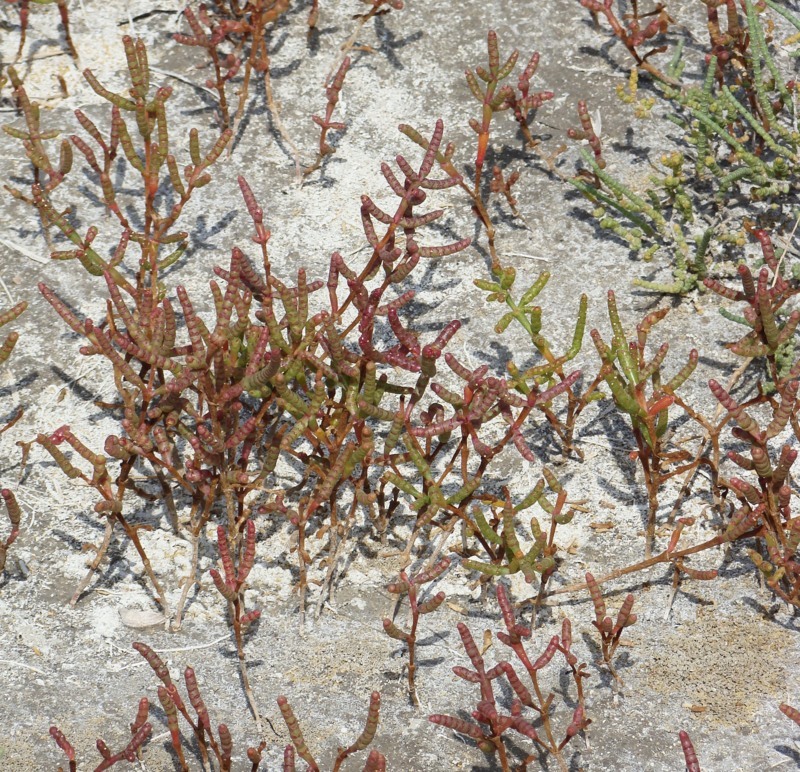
x=141, y=730
x=375, y=761
x=219, y=748
x=6, y=317
x=610, y=631
x=47, y=174
x=632, y=34
x=772, y=331
x=409, y=585
x=501, y=531
x=689, y=755
x=627, y=373
x=10, y=503
x=244, y=28
x=550, y=371
x=231, y=585
x=491, y=724
x=14, y=516
x=23, y=8
x=494, y=97
x=325, y=124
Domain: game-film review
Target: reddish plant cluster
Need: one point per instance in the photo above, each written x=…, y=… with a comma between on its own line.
x=219, y=747
x=329, y=376
x=491, y=724
x=211, y=418
x=235, y=36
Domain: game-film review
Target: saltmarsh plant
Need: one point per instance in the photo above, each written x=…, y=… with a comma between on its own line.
x=340, y=388
x=500, y=531
x=216, y=750
x=772, y=330
x=740, y=144
x=163, y=191
x=494, y=96
x=150, y=325
x=490, y=724
x=14, y=514
x=689, y=754
x=12, y=509
x=692, y=762
x=231, y=584
x=47, y=174
x=23, y=9
x=636, y=386
x=634, y=30
x=550, y=369
x=610, y=631
x=224, y=434
x=208, y=420
x=332, y=435
x=763, y=509
x=235, y=36
x=6, y=317
x=409, y=585
x=326, y=125
x=376, y=762
x=139, y=728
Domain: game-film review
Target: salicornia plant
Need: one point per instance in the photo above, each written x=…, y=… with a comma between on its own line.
x=638, y=390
